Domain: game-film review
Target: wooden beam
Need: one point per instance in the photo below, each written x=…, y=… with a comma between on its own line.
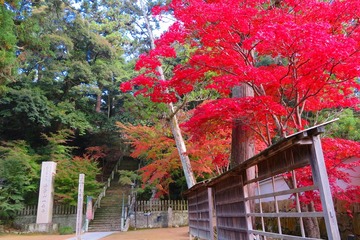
x=284, y=192
x=249, y=224
x=279, y=236
x=288, y=215
x=322, y=181
x=211, y=211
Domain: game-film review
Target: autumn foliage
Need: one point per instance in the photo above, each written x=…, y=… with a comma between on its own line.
x=299, y=57
x=341, y=160
x=157, y=149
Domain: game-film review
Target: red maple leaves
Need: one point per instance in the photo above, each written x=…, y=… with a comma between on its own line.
x=302, y=55
x=298, y=57
x=342, y=158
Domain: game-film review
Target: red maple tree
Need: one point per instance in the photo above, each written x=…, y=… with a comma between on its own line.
x=299, y=57
x=157, y=149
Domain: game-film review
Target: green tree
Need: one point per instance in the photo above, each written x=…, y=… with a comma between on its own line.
x=348, y=125
x=7, y=46
x=24, y=113
x=18, y=177
x=68, y=64
x=69, y=167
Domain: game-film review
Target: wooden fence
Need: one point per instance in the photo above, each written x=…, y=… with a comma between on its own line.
x=233, y=195
x=161, y=205
x=201, y=213
x=141, y=206
x=31, y=210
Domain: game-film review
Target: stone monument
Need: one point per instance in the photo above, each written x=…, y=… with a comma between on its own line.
x=79, y=221
x=45, y=201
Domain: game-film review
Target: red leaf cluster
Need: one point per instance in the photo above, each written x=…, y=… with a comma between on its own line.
x=297, y=56
x=337, y=154
x=153, y=145
x=303, y=55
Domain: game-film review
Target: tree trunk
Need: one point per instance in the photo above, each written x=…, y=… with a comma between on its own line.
x=180, y=144
x=311, y=225
x=98, y=103
x=174, y=125
x=242, y=143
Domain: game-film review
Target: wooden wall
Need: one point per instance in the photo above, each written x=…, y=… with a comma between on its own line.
x=231, y=221
x=200, y=214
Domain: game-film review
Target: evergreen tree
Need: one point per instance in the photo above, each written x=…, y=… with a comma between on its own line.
x=7, y=46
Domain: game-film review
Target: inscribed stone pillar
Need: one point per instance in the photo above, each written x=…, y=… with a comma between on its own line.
x=46, y=193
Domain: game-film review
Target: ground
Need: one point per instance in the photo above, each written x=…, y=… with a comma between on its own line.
x=181, y=233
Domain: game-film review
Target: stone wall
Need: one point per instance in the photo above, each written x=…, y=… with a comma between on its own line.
x=62, y=221
x=159, y=219
x=153, y=220
x=349, y=224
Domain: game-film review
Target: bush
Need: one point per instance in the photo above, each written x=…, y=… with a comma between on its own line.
x=66, y=230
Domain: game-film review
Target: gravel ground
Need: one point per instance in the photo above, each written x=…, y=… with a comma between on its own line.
x=181, y=233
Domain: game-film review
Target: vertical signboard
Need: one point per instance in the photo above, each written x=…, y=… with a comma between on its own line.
x=46, y=193
x=80, y=206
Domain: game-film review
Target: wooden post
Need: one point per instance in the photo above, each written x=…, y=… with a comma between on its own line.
x=322, y=181
x=211, y=211
x=249, y=221
x=122, y=221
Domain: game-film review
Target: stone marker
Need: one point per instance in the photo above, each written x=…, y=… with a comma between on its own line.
x=46, y=193
x=80, y=206
x=45, y=201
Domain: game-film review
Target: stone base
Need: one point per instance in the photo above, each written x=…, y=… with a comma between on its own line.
x=42, y=227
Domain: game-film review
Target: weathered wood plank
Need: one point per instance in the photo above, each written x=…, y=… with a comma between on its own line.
x=284, y=192
x=279, y=236
x=321, y=178
x=287, y=214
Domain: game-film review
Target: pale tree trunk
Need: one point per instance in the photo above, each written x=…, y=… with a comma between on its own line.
x=174, y=125
x=180, y=144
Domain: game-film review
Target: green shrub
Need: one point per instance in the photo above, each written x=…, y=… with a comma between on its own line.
x=66, y=230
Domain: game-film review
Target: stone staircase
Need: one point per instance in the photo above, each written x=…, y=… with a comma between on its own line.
x=108, y=217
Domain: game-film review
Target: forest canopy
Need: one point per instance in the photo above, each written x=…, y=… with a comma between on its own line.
x=62, y=63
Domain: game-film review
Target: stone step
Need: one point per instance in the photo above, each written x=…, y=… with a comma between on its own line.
x=112, y=204
x=109, y=202
x=112, y=199
x=117, y=229
x=109, y=219
x=104, y=229
x=104, y=223
x=108, y=216
x=107, y=213
x=110, y=207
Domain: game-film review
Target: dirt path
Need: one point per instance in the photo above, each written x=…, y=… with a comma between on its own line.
x=152, y=234
x=148, y=234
